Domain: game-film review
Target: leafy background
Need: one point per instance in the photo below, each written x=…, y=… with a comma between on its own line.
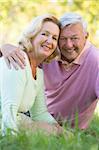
x=15, y=15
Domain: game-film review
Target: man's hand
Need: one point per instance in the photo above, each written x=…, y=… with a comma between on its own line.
x=13, y=55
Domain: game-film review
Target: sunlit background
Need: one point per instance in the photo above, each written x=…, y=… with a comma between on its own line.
x=15, y=15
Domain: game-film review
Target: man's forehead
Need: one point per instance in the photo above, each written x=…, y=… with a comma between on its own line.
x=72, y=26
x=71, y=31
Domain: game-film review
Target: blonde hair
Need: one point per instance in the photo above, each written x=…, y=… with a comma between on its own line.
x=32, y=30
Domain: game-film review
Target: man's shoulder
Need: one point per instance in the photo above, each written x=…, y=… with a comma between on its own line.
x=52, y=63
x=51, y=67
x=93, y=55
x=94, y=51
x=94, y=47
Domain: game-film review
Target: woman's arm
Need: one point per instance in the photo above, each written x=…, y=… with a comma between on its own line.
x=42, y=118
x=12, y=87
x=27, y=124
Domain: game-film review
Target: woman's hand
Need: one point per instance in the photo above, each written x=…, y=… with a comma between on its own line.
x=13, y=56
x=26, y=123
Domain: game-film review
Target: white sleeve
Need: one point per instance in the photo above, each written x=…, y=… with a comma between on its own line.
x=39, y=109
x=12, y=89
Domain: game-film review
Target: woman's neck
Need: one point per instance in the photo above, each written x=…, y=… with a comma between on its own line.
x=34, y=59
x=34, y=62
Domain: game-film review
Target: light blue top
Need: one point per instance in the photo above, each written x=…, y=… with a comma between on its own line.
x=19, y=92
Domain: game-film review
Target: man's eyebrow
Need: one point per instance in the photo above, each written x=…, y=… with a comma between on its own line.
x=70, y=36
x=75, y=35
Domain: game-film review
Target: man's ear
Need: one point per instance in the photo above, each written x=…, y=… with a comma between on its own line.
x=0, y=53
x=86, y=35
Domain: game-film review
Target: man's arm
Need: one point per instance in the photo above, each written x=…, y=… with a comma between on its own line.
x=13, y=55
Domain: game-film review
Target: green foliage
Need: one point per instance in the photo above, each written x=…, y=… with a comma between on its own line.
x=81, y=140
x=15, y=15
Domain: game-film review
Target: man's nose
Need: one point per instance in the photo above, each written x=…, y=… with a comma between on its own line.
x=69, y=43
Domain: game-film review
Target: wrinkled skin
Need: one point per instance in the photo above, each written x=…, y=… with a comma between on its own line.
x=72, y=41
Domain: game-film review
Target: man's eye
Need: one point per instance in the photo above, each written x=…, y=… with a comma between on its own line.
x=74, y=38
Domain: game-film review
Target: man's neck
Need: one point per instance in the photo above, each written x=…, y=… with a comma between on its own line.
x=67, y=60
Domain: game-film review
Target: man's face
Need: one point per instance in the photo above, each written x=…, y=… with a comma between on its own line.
x=72, y=41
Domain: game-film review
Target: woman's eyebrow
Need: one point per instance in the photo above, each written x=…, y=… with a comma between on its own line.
x=49, y=32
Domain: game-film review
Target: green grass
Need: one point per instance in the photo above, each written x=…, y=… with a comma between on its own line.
x=81, y=140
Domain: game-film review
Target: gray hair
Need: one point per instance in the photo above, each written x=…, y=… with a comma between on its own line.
x=72, y=18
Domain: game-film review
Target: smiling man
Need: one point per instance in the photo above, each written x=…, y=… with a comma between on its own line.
x=72, y=83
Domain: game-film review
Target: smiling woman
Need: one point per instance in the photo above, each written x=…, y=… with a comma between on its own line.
x=46, y=41
x=23, y=90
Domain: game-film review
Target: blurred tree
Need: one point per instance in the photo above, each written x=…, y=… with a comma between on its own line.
x=15, y=14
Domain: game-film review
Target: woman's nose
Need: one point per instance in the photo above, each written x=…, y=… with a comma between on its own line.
x=50, y=40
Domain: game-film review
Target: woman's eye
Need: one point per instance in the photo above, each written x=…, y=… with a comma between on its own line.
x=55, y=38
x=44, y=34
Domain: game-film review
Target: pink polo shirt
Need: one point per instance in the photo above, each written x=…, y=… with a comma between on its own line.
x=73, y=92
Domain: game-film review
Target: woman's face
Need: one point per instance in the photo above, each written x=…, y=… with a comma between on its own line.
x=45, y=42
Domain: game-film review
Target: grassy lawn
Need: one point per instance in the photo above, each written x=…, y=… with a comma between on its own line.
x=80, y=140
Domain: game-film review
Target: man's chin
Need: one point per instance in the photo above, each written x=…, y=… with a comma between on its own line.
x=69, y=60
